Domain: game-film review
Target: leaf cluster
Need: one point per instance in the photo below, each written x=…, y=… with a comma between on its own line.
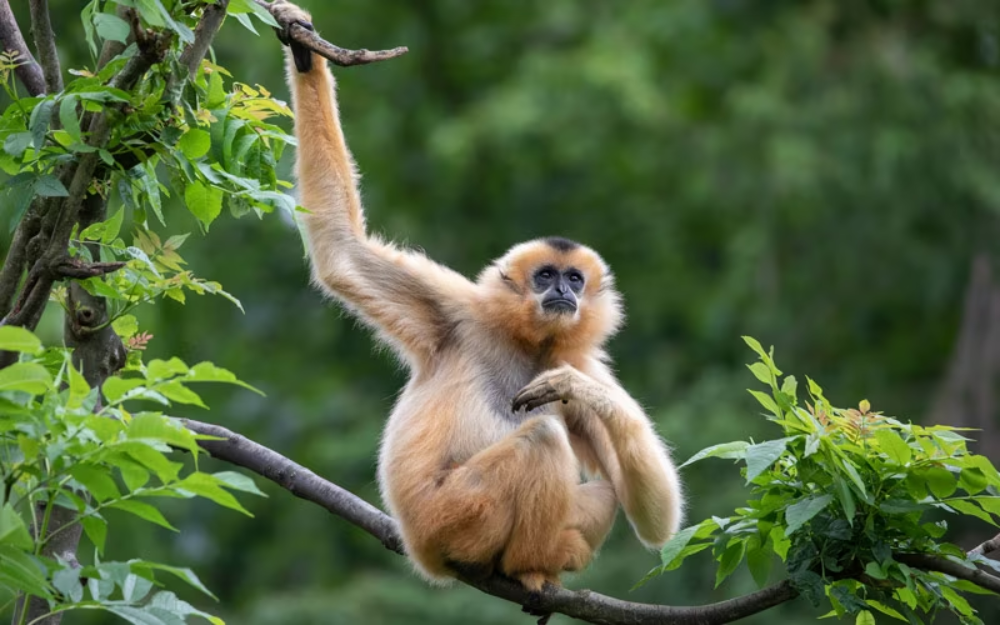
x=841, y=498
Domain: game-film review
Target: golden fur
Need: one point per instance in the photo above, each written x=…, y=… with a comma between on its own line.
x=469, y=480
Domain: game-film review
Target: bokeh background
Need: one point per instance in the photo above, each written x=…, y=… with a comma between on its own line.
x=820, y=174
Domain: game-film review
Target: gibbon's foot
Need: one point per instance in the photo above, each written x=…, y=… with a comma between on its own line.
x=557, y=384
x=531, y=607
x=288, y=15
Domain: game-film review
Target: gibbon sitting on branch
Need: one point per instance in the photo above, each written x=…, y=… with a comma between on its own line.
x=510, y=396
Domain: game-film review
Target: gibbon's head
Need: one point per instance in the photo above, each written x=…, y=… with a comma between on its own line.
x=553, y=289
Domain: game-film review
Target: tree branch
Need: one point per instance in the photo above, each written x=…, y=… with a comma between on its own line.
x=205, y=32
x=335, y=54
x=581, y=604
x=987, y=547
x=950, y=567
x=45, y=45
x=28, y=72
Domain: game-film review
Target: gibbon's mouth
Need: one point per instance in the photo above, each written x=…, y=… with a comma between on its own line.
x=560, y=306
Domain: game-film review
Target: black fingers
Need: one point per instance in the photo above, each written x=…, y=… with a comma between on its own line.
x=532, y=397
x=301, y=54
x=303, y=57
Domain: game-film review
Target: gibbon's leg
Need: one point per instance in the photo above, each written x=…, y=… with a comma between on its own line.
x=593, y=514
x=514, y=499
x=640, y=468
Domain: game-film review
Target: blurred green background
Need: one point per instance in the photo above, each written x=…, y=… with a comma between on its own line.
x=822, y=175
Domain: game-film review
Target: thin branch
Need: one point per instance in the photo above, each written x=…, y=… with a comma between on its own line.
x=79, y=270
x=950, y=567
x=987, y=547
x=28, y=72
x=45, y=45
x=335, y=54
x=581, y=604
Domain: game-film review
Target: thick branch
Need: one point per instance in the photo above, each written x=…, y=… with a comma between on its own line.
x=28, y=72
x=45, y=45
x=581, y=604
x=335, y=54
x=209, y=25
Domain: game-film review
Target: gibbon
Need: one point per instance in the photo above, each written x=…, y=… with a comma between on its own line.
x=510, y=397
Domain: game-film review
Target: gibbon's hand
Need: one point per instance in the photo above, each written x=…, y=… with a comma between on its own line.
x=562, y=383
x=288, y=15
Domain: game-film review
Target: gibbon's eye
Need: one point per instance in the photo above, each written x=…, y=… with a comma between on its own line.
x=546, y=274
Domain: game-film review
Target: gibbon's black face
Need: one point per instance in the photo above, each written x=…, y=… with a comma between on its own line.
x=559, y=288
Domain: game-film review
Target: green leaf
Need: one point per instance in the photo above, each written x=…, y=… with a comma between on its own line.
x=238, y=481
x=113, y=226
x=97, y=531
x=210, y=487
x=759, y=561
x=766, y=401
x=111, y=27
x=761, y=372
x=29, y=377
x=195, y=143
x=15, y=339
x=865, y=618
x=41, y=118
x=158, y=427
x=177, y=392
x=68, y=117
x=970, y=509
x=97, y=480
x=940, y=481
x=733, y=450
x=730, y=559
x=779, y=542
x=893, y=446
x=799, y=513
x=115, y=388
x=22, y=572
x=761, y=456
x=48, y=185
x=676, y=544
x=126, y=326
x=203, y=201
x=15, y=144
x=972, y=480
x=186, y=575
x=67, y=581
x=845, y=497
x=143, y=511
x=12, y=529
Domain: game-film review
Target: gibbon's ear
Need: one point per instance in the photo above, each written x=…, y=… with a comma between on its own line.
x=301, y=54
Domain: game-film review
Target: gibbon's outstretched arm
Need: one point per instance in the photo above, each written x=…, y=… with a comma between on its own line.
x=638, y=464
x=407, y=297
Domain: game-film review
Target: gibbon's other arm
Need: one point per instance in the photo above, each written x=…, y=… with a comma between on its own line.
x=407, y=297
x=638, y=464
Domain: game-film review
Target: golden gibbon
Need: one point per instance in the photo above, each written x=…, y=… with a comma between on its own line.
x=510, y=402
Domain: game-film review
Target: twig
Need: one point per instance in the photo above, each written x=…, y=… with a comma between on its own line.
x=45, y=45
x=28, y=72
x=77, y=269
x=987, y=547
x=581, y=604
x=335, y=54
x=950, y=567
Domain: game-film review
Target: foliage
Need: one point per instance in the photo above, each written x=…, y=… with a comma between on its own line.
x=59, y=448
x=840, y=498
x=89, y=450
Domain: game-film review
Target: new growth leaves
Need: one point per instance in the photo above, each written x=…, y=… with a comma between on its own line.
x=839, y=499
